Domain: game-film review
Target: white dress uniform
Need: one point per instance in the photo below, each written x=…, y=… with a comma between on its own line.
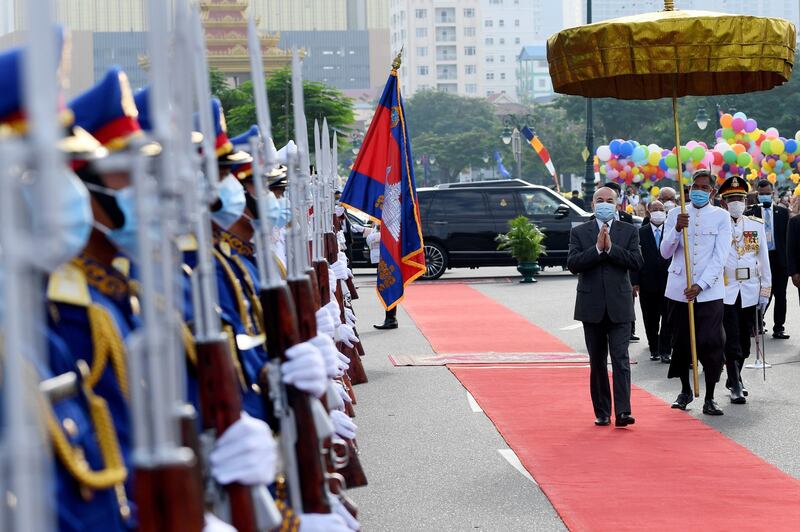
x=709, y=235
x=747, y=268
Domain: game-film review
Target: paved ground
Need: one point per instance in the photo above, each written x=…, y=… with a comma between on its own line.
x=434, y=464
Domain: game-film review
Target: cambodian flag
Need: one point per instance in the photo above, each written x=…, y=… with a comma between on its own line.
x=381, y=185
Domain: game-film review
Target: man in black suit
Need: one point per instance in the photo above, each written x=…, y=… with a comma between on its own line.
x=576, y=199
x=602, y=251
x=650, y=282
x=776, y=223
x=793, y=250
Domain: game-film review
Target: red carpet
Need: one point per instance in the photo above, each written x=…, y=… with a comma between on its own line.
x=668, y=472
x=458, y=319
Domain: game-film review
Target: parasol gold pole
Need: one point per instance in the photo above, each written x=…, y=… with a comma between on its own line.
x=687, y=260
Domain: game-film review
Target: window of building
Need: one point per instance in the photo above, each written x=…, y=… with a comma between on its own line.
x=490, y=59
x=420, y=13
x=541, y=83
x=496, y=2
x=502, y=59
x=516, y=22
x=422, y=51
x=502, y=41
x=422, y=32
x=469, y=69
x=488, y=23
x=469, y=50
x=490, y=75
x=471, y=88
x=488, y=40
x=422, y=70
x=469, y=12
x=501, y=23
x=502, y=75
x=516, y=40
x=469, y=31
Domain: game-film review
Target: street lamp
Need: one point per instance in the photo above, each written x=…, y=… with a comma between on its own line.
x=356, y=143
x=506, y=135
x=516, y=147
x=701, y=118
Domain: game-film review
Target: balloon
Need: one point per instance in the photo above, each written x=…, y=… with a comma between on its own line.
x=615, y=146
x=691, y=144
x=776, y=146
x=639, y=155
x=791, y=146
x=717, y=158
x=744, y=159
x=728, y=133
x=653, y=158
x=738, y=148
x=604, y=153
x=663, y=164
x=729, y=157
x=750, y=125
x=740, y=115
x=772, y=133
x=672, y=161
x=697, y=153
x=725, y=120
x=737, y=124
x=766, y=147
x=685, y=154
x=626, y=149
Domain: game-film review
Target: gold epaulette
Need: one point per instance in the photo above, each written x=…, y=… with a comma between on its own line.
x=68, y=285
x=186, y=243
x=756, y=219
x=122, y=265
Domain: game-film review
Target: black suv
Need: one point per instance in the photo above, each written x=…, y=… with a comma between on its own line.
x=461, y=220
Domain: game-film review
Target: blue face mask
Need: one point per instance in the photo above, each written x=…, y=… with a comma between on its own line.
x=765, y=199
x=699, y=197
x=125, y=238
x=285, y=213
x=231, y=194
x=604, y=211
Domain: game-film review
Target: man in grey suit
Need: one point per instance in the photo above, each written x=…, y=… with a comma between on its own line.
x=602, y=251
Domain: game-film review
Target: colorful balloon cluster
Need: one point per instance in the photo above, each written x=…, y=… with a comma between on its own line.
x=758, y=153
x=627, y=161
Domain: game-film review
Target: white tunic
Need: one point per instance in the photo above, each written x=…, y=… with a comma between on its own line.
x=709, y=234
x=747, y=268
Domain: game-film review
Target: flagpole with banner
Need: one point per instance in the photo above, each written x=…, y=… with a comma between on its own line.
x=381, y=185
x=544, y=155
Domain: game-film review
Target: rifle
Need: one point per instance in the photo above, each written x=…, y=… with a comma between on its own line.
x=336, y=221
x=220, y=399
x=296, y=411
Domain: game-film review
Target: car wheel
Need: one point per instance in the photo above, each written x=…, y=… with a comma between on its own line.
x=435, y=261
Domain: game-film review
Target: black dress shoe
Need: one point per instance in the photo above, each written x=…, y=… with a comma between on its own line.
x=634, y=338
x=623, y=420
x=780, y=335
x=388, y=324
x=654, y=356
x=602, y=421
x=710, y=408
x=666, y=359
x=682, y=401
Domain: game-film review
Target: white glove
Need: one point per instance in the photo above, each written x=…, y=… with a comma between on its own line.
x=329, y=353
x=215, y=524
x=339, y=268
x=338, y=210
x=373, y=237
x=305, y=370
x=334, y=311
x=333, y=398
x=337, y=508
x=343, y=393
x=349, y=317
x=763, y=301
x=345, y=334
x=340, y=239
x=343, y=425
x=323, y=523
x=325, y=324
x=349, y=273
x=245, y=453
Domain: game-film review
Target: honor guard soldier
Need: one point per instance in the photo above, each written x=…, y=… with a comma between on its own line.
x=747, y=281
x=709, y=236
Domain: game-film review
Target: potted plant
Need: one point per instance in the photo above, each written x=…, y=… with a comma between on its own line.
x=524, y=241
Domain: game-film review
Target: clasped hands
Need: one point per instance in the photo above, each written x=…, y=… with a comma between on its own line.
x=604, y=240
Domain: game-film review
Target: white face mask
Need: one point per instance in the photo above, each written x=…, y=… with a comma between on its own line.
x=669, y=205
x=736, y=208
x=658, y=217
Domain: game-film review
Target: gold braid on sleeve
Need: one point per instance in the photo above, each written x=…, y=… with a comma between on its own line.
x=108, y=345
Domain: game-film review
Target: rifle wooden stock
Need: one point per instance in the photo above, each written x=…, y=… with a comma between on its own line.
x=352, y=288
x=282, y=333
x=348, y=386
x=323, y=281
x=169, y=498
x=353, y=472
x=221, y=406
x=356, y=370
x=305, y=304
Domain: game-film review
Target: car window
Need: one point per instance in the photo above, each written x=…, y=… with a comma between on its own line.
x=538, y=202
x=461, y=203
x=501, y=204
x=424, y=201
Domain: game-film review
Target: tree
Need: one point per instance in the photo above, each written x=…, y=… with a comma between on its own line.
x=321, y=101
x=458, y=131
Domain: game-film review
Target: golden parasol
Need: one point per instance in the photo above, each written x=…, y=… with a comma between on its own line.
x=669, y=54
